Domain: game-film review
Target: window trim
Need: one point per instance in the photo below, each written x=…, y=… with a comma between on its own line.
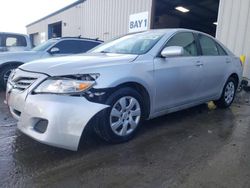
x=174, y=34
x=196, y=35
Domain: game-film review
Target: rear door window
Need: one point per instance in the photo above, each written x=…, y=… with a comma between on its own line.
x=85, y=46
x=75, y=46
x=208, y=46
x=15, y=41
x=222, y=52
x=185, y=40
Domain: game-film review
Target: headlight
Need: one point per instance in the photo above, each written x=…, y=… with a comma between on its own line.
x=64, y=85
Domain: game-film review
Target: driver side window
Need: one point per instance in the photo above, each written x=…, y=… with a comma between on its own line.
x=67, y=47
x=185, y=40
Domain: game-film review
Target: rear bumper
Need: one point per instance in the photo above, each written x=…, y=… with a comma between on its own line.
x=66, y=116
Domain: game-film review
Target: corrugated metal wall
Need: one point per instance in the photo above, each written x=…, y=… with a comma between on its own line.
x=234, y=28
x=95, y=18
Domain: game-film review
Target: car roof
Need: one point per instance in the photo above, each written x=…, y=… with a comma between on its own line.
x=12, y=33
x=174, y=30
x=171, y=31
x=80, y=38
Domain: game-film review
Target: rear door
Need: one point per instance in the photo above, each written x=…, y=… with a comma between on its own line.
x=178, y=79
x=215, y=61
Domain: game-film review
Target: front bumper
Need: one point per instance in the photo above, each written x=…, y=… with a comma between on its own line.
x=67, y=116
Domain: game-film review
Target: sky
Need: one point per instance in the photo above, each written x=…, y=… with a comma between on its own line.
x=16, y=14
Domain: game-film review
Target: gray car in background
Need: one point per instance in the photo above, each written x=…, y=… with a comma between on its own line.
x=51, y=48
x=120, y=83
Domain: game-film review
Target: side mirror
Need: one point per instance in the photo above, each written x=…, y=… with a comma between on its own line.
x=172, y=51
x=54, y=50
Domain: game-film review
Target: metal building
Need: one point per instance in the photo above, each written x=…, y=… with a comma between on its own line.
x=234, y=28
x=105, y=19
x=101, y=19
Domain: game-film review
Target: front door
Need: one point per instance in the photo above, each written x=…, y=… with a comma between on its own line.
x=178, y=79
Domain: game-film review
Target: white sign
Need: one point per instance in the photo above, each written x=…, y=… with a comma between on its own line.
x=138, y=22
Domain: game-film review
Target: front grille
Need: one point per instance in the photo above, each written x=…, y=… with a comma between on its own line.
x=23, y=83
x=21, y=80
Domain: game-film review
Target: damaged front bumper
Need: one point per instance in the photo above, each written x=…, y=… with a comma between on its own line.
x=56, y=120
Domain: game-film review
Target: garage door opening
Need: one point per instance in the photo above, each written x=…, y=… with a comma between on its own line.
x=55, y=30
x=191, y=14
x=35, y=40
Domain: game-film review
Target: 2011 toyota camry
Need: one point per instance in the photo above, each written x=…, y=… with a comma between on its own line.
x=120, y=83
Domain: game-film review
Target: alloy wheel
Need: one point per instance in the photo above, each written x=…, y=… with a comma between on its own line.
x=125, y=116
x=229, y=92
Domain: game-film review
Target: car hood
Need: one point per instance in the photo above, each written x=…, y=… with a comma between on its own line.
x=20, y=53
x=23, y=56
x=77, y=64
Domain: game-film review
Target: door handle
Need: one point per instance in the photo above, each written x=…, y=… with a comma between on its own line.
x=228, y=61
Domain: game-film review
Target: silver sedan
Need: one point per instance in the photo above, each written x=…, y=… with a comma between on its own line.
x=120, y=83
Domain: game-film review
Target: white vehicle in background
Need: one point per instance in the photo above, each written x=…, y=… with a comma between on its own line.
x=52, y=48
x=12, y=42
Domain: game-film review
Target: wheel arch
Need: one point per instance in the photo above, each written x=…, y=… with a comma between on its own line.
x=232, y=75
x=236, y=77
x=141, y=90
x=6, y=66
x=18, y=63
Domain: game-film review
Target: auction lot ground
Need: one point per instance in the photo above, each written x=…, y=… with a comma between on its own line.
x=192, y=148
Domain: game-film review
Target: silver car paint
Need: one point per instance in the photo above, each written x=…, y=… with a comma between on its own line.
x=61, y=132
x=172, y=83
x=21, y=57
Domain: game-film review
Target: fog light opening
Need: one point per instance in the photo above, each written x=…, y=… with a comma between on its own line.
x=18, y=113
x=41, y=126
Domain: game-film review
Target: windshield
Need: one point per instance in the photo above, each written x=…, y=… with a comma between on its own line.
x=139, y=43
x=45, y=45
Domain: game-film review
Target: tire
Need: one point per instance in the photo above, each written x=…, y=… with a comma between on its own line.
x=4, y=73
x=228, y=94
x=123, y=128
